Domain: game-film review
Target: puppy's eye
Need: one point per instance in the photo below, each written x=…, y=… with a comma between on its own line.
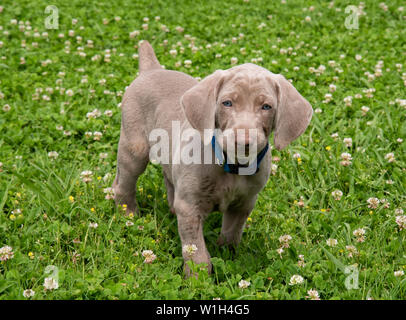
x=227, y=103
x=266, y=107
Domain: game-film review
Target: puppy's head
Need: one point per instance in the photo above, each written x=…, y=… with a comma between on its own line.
x=248, y=102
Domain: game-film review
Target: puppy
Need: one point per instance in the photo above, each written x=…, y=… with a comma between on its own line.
x=245, y=98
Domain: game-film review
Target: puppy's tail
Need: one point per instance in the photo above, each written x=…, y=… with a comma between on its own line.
x=147, y=57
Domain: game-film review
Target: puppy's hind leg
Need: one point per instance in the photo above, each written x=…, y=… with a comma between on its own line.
x=132, y=159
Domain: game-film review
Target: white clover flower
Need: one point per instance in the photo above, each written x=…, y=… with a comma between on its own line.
x=301, y=262
x=243, y=284
x=296, y=279
x=53, y=154
x=399, y=273
x=331, y=242
x=360, y=234
x=327, y=98
x=284, y=240
x=401, y=221
x=364, y=110
x=390, y=157
x=103, y=155
x=234, y=60
x=94, y=114
x=385, y=203
x=351, y=251
x=373, y=203
x=179, y=29
x=346, y=159
x=149, y=256
x=93, y=225
x=6, y=108
x=50, y=283
x=348, y=101
x=189, y=249
x=6, y=253
x=274, y=168
x=296, y=155
x=334, y=135
x=129, y=223
x=337, y=194
x=397, y=210
x=28, y=293
x=107, y=177
x=110, y=193
x=187, y=63
x=86, y=175
x=347, y=142
x=313, y=295
x=97, y=135
x=108, y=113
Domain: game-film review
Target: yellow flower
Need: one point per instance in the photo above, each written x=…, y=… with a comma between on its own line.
x=99, y=178
x=249, y=219
x=328, y=148
x=18, y=194
x=323, y=210
x=12, y=217
x=92, y=209
x=299, y=160
x=31, y=255
x=131, y=215
x=71, y=199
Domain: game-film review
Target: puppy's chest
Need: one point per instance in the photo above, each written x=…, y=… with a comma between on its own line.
x=234, y=190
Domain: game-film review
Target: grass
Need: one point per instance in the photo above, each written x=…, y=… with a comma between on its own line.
x=45, y=208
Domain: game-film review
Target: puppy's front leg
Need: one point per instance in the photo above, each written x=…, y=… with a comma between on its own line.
x=190, y=226
x=233, y=223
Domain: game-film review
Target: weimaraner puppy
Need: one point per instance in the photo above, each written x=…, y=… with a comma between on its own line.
x=241, y=98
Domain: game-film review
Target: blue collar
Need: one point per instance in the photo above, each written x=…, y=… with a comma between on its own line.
x=237, y=168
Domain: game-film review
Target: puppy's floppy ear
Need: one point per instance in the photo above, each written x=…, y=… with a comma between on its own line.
x=199, y=102
x=293, y=114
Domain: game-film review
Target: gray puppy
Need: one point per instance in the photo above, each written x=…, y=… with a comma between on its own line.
x=241, y=98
